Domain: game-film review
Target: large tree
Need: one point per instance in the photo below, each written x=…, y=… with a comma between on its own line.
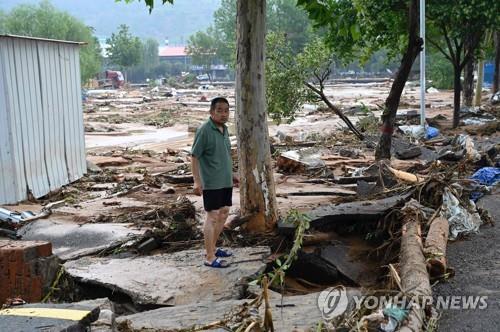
x=150, y=57
x=257, y=195
x=359, y=28
x=281, y=16
x=257, y=190
x=456, y=29
x=45, y=21
x=124, y=50
x=202, y=46
x=496, y=74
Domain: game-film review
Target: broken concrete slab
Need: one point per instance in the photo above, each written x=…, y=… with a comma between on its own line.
x=312, y=267
x=353, y=268
x=49, y=317
x=290, y=313
x=365, y=189
x=170, y=279
x=183, y=317
x=71, y=240
x=370, y=210
x=106, y=320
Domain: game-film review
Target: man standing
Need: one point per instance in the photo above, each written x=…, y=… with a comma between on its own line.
x=211, y=164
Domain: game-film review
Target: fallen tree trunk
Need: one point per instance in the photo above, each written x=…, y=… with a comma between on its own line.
x=435, y=247
x=413, y=270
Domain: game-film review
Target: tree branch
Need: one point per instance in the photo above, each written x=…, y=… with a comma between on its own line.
x=450, y=47
x=469, y=52
x=337, y=111
x=440, y=49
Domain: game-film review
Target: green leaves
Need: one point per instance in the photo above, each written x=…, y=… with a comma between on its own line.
x=124, y=49
x=277, y=276
x=361, y=27
x=45, y=21
x=149, y=3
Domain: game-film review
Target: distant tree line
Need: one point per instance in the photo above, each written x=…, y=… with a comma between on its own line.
x=45, y=21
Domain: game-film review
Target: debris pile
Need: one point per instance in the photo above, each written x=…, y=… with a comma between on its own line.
x=131, y=230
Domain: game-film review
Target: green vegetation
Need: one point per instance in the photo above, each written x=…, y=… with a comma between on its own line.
x=124, y=49
x=45, y=21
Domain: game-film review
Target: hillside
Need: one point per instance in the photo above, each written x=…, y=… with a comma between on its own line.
x=175, y=22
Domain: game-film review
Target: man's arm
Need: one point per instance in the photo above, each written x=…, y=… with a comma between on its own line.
x=195, y=169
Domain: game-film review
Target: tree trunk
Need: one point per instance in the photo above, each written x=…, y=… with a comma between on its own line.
x=496, y=73
x=469, y=82
x=435, y=247
x=413, y=270
x=457, y=85
x=479, y=84
x=383, y=150
x=257, y=191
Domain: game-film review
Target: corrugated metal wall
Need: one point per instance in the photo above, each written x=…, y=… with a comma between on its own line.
x=42, y=143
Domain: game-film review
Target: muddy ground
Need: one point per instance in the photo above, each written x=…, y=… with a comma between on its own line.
x=138, y=143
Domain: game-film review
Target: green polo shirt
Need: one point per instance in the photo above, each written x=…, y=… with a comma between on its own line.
x=213, y=150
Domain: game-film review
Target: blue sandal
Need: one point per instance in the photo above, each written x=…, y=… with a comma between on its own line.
x=217, y=263
x=223, y=253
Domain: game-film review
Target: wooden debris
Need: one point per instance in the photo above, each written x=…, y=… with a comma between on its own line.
x=435, y=247
x=176, y=179
x=102, y=161
x=299, y=161
x=413, y=270
x=355, y=179
x=405, y=176
x=317, y=238
x=335, y=163
x=331, y=192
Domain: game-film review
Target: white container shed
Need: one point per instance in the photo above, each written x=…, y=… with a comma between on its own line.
x=42, y=144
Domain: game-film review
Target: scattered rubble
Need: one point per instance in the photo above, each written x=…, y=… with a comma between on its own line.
x=131, y=230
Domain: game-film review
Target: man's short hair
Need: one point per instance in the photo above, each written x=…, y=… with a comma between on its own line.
x=217, y=100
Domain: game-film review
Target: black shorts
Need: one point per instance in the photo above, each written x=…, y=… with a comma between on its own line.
x=216, y=198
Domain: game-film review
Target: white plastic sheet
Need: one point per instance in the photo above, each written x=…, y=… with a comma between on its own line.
x=462, y=222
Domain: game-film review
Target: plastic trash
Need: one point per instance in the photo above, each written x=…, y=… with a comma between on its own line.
x=394, y=317
x=390, y=326
x=487, y=176
x=398, y=314
x=461, y=221
x=431, y=132
x=465, y=141
x=495, y=99
x=417, y=131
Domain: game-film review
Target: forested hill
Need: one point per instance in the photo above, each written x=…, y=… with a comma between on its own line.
x=175, y=22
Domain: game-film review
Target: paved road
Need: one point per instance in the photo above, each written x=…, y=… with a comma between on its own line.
x=477, y=272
